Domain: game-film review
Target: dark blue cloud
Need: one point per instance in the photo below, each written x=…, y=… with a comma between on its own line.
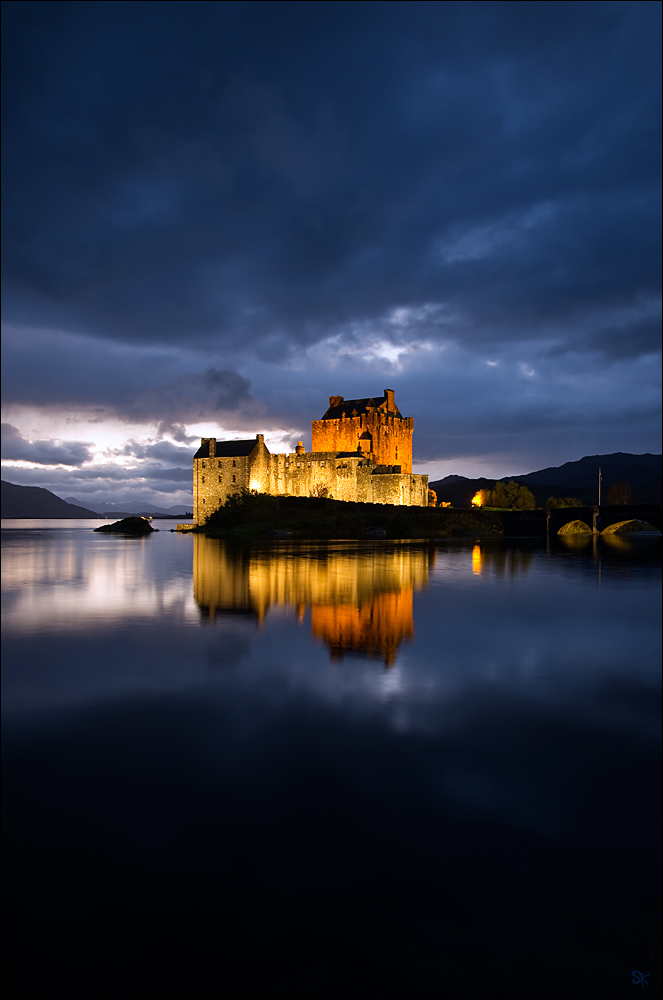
x=52, y=369
x=198, y=194
x=46, y=452
x=195, y=171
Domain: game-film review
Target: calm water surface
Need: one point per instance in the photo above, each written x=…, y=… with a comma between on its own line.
x=344, y=769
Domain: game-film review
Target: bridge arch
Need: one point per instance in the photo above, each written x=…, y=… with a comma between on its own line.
x=642, y=526
x=596, y=519
x=614, y=516
x=576, y=527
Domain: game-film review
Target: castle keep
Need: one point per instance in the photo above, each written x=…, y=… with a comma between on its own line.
x=361, y=451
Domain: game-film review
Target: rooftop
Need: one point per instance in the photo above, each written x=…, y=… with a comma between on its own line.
x=227, y=449
x=357, y=407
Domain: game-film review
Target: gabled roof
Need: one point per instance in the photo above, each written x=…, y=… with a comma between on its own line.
x=227, y=449
x=352, y=407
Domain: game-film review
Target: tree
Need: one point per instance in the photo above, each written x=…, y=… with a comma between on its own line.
x=320, y=491
x=432, y=498
x=512, y=496
x=620, y=493
x=499, y=497
x=552, y=503
x=525, y=499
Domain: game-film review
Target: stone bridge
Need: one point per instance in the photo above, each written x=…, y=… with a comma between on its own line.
x=604, y=518
x=598, y=519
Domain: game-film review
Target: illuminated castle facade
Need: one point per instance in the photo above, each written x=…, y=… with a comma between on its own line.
x=361, y=451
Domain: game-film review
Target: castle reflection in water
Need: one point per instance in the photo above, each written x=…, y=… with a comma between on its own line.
x=360, y=596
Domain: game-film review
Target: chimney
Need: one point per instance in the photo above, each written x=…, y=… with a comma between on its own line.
x=391, y=405
x=212, y=447
x=300, y=448
x=260, y=438
x=335, y=400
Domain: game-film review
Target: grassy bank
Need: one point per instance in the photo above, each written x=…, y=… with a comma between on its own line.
x=313, y=517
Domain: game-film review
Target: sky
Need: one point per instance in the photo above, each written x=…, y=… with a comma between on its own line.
x=218, y=214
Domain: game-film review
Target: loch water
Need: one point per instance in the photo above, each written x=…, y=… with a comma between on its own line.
x=330, y=769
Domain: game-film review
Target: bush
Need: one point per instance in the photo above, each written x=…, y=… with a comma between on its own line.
x=552, y=503
x=252, y=513
x=244, y=506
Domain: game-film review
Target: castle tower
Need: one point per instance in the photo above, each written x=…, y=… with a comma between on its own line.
x=373, y=426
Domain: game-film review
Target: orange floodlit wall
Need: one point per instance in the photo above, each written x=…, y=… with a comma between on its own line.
x=362, y=453
x=381, y=433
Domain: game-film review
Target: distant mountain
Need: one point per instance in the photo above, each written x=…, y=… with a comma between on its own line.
x=32, y=501
x=134, y=507
x=578, y=479
x=638, y=469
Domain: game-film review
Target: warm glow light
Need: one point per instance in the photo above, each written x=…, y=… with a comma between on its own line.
x=477, y=499
x=476, y=559
x=359, y=603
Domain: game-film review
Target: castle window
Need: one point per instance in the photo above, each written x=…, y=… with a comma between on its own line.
x=219, y=478
x=203, y=479
x=299, y=465
x=203, y=463
x=220, y=463
x=322, y=464
x=234, y=478
x=234, y=463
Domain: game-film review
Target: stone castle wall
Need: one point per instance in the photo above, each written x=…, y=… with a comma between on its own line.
x=215, y=479
x=363, y=457
x=388, y=438
x=306, y=474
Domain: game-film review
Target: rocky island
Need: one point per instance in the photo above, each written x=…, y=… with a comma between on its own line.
x=127, y=526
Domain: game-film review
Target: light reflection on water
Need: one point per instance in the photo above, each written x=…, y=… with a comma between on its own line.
x=453, y=615
x=360, y=597
x=432, y=742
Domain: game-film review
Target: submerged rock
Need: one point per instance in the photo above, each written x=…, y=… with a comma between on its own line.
x=127, y=526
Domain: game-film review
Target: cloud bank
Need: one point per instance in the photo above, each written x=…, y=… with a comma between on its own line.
x=226, y=212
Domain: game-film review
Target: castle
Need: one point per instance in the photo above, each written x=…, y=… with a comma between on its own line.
x=361, y=451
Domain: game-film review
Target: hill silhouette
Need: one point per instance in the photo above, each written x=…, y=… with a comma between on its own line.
x=33, y=501
x=579, y=479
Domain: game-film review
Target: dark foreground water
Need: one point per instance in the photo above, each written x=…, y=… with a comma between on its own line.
x=329, y=769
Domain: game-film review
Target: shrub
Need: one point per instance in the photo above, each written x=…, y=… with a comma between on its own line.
x=552, y=503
